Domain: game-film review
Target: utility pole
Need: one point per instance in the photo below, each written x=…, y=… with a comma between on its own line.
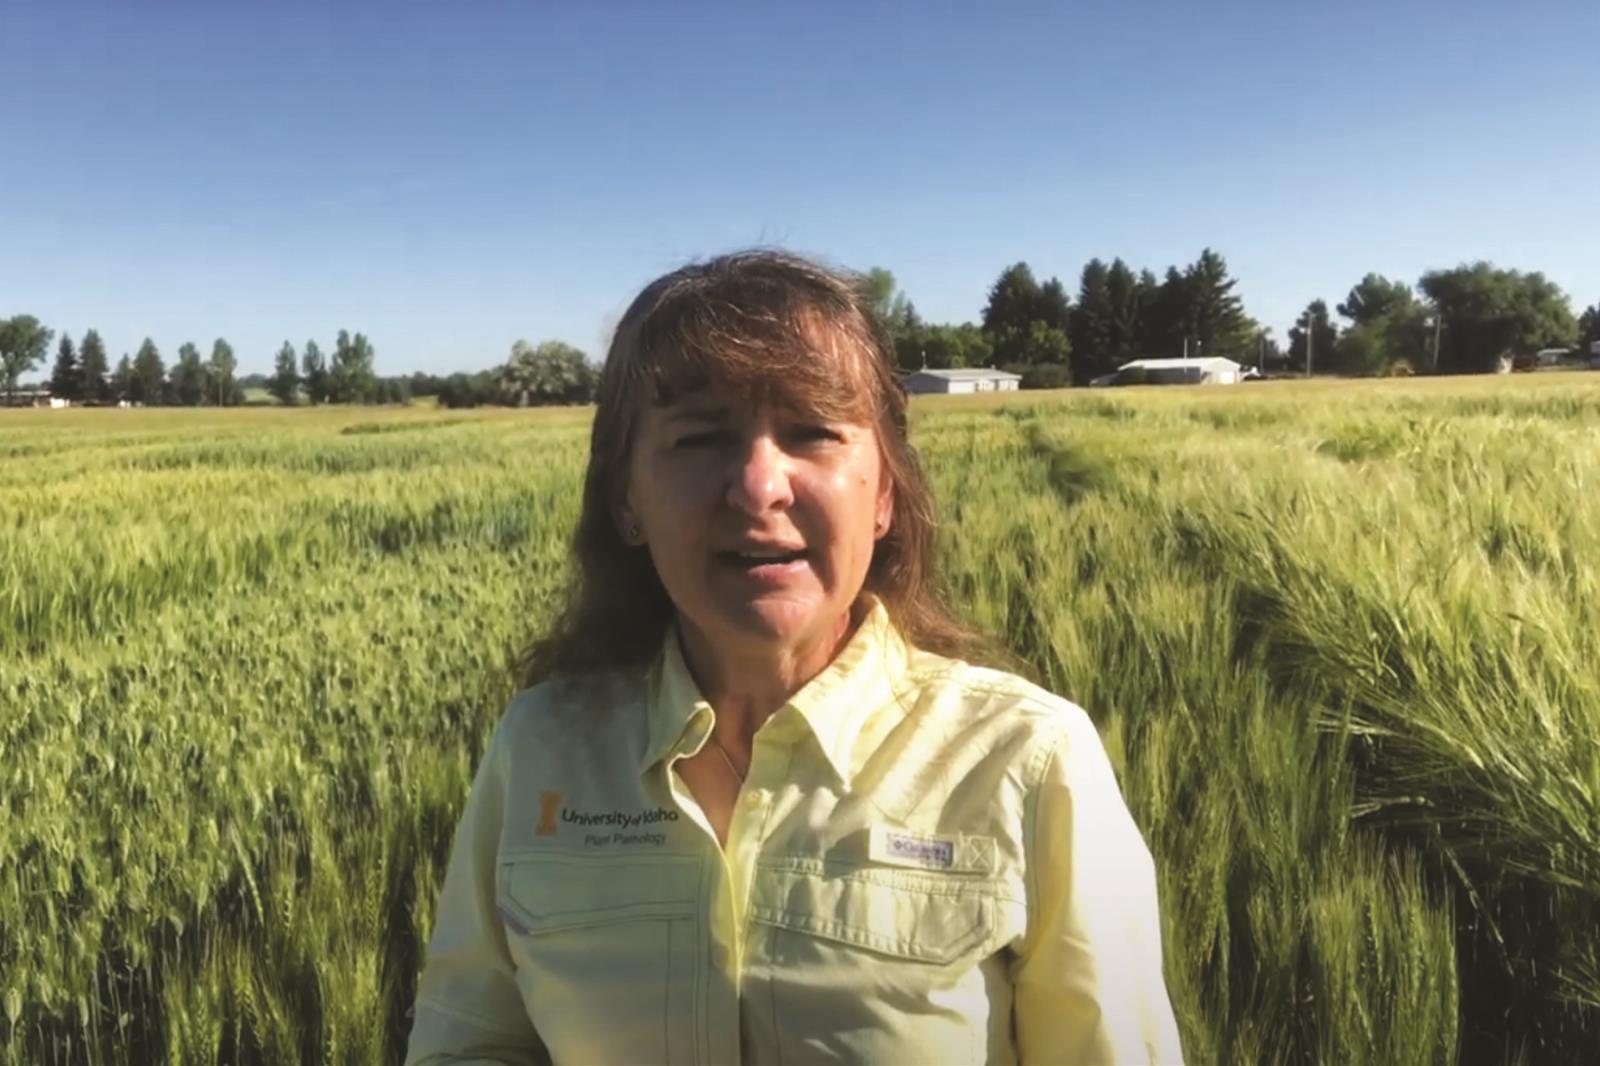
x=1311, y=340
x=1438, y=320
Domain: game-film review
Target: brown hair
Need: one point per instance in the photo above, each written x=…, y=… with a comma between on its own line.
x=769, y=324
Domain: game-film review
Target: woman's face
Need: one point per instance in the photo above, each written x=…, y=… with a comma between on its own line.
x=761, y=521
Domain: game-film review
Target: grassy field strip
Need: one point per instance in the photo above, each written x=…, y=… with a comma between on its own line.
x=1341, y=641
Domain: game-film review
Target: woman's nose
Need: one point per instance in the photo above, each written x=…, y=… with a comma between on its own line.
x=760, y=481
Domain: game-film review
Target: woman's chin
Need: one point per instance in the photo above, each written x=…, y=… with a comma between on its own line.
x=777, y=619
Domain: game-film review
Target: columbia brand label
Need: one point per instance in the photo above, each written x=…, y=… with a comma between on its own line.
x=922, y=851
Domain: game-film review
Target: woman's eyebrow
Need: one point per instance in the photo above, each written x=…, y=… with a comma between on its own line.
x=698, y=414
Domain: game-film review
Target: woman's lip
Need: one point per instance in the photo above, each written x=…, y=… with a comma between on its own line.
x=770, y=573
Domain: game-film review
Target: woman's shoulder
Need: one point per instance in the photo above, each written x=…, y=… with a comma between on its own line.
x=1000, y=702
x=573, y=709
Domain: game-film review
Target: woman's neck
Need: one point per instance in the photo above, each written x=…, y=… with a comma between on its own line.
x=746, y=686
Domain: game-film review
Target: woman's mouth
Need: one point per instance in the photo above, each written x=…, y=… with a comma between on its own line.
x=764, y=566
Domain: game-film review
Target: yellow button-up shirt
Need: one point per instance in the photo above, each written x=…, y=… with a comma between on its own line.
x=929, y=862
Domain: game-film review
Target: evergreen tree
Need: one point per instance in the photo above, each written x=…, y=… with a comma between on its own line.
x=149, y=375
x=285, y=382
x=1093, y=324
x=1027, y=322
x=92, y=369
x=1013, y=299
x=1214, y=312
x=907, y=334
x=66, y=379
x=1324, y=335
x=1055, y=306
x=1589, y=328
x=189, y=377
x=122, y=380
x=1169, y=324
x=1126, y=297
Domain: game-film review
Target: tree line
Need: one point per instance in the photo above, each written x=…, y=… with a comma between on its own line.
x=82, y=374
x=548, y=373
x=1471, y=318
x=551, y=372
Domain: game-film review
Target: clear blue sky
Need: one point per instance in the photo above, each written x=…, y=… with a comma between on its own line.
x=448, y=177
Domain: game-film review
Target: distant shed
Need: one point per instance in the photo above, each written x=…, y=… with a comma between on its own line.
x=30, y=396
x=965, y=380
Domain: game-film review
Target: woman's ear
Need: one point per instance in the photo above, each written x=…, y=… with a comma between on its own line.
x=629, y=527
x=884, y=514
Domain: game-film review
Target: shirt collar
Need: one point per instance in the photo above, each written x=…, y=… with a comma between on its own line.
x=834, y=705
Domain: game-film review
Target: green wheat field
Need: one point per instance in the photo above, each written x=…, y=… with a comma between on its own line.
x=1342, y=641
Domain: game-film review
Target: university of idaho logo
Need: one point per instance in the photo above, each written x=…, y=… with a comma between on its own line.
x=549, y=808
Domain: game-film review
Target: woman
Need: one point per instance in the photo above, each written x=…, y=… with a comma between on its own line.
x=759, y=806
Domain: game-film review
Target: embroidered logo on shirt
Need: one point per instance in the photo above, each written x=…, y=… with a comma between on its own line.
x=624, y=819
x=549, y=807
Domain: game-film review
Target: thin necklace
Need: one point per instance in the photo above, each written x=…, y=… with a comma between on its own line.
x=722, y=751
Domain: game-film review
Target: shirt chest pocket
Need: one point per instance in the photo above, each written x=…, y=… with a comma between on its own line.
x=879, y=965
x=606, y=950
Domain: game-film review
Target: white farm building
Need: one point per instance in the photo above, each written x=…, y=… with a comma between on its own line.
x=974, y=379
x=1193, y=370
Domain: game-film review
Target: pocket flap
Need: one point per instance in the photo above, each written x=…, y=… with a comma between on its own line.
x=545, y=892
x=931, y=918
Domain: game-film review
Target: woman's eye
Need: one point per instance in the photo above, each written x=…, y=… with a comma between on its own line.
x=816, y=433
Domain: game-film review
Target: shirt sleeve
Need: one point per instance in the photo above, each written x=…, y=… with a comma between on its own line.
x=469, y=1009
x=1088, y=980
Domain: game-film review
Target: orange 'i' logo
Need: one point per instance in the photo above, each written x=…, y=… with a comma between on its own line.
x=549, y=805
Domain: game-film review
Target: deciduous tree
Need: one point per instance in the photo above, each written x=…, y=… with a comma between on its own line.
x=551, y=373
x=351, y=374
x=23, y=343
x=1375, y=296
x=223, y=389
x=1489, y=314
x=884, y=295
x=316, y=373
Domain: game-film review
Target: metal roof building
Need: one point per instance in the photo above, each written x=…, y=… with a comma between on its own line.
x=1194, y=370
x=964, y=380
